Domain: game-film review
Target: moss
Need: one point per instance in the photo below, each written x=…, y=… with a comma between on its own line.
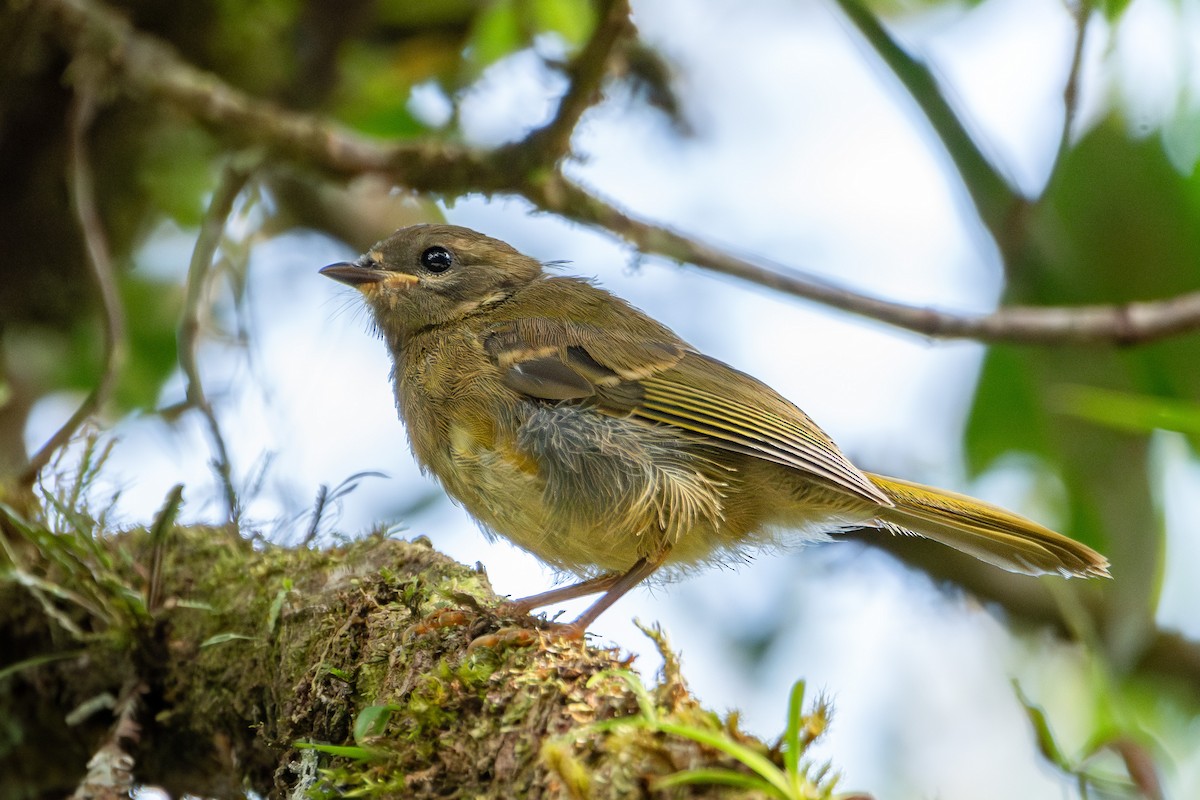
x=361, y=651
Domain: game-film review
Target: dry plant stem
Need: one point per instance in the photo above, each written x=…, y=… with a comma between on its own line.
x=1141, y=766
x=163, y=525
x=145, y=66
x=199, y=271
x=83, y=198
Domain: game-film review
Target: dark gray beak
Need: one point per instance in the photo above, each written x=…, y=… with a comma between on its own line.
x=353, y=274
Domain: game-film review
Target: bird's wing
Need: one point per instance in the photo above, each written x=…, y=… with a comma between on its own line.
x=666, y=382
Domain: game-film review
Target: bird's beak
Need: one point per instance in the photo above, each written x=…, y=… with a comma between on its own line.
x=361, y=276
x=353, y=274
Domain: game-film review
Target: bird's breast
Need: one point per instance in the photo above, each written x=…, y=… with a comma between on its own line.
x=584, y=491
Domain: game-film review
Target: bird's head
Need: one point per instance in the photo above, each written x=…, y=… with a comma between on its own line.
x=423, y=276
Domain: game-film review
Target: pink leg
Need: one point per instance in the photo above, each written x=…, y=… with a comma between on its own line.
x=636, y=574
x=601, y=583
x=614, y=585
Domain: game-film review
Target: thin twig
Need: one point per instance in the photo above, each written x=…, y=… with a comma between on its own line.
x=1140, y=765
x=83, y=196
x=199, y=270
x=586, y=73
x=1081, y=13
x=147, y=66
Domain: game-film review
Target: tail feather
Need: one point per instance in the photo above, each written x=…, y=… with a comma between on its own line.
x=988, y=532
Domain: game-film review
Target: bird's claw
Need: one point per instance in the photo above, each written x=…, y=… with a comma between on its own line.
x=440, y=619
x=514, y=636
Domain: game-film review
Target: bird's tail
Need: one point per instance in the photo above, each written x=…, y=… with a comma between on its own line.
x=988, y=532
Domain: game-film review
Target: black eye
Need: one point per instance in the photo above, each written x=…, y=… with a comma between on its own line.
x=437, y=259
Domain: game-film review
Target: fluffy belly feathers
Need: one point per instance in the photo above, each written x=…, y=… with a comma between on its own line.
x=590, y=493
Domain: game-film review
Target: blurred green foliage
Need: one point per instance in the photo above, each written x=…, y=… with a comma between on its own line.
x=1124, y=411
x=505, y=26
x=1119, y=224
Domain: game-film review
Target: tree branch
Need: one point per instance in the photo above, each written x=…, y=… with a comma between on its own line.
x=586, y=73
x=1081, y=12
x=148, y=66
x=271, y=663
x=1124, y=324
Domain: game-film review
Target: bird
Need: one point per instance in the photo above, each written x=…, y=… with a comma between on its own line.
x=592, y=436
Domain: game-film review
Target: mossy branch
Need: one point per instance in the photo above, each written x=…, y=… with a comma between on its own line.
x=296, y=672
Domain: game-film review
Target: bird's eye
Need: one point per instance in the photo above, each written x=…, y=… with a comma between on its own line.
x=437, y=259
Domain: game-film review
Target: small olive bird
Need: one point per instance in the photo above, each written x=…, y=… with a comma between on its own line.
x=590, y=435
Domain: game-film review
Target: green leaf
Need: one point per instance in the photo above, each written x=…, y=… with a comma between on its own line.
x=1006, y=413
x=342, y=751
x=37, y=661
x=228, y=636
x=1112, y=9
x=1047, y=744
x=724, y=777
x=1118, y=223
x=372, y=721
x=339, y=673
x=375, y=89
x=791, y=733
x=1126, y=411
x=277, y=605
x=718, y=741
x=195, y=605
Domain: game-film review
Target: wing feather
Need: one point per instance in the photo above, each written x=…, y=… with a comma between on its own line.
x=710, y=397
x=648, y=374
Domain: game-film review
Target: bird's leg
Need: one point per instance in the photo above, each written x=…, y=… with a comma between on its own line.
x=601, y=583
x=613, y=584
x=613, y=592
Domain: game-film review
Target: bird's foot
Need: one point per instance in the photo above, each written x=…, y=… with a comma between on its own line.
x=440, y=619
x=515, y=636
